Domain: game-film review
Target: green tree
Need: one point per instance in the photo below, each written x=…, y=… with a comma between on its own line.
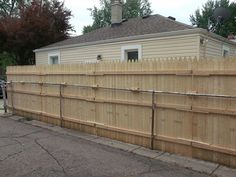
x=6, y=59
x=10, y=8
x=136, y=8
x=131, y=9
x=232, y=19
x=204, y=18
x=34, y=24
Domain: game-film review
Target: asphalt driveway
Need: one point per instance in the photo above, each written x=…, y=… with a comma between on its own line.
x=30, y=151
x=1, y=106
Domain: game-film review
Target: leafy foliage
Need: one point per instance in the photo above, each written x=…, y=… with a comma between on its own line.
x=33, y=24
x=204, y=18
x=6, y=59
x=131, y=9
x=136, y=8
x=9, y=7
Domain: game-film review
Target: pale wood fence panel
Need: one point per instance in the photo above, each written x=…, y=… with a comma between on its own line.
x=197, y=126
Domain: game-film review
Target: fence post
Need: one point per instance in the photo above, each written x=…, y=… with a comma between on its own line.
x=61, y=116
x=153, y=120
x=4, y=97
x=12, y=94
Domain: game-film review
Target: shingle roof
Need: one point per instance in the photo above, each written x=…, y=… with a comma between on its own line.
x=132, y=27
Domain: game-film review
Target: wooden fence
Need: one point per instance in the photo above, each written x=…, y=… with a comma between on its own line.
x=192, y=111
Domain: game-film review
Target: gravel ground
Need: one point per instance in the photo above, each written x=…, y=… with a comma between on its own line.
x=27, y=150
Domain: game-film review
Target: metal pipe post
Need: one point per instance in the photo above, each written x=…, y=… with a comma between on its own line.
x=12, y=94
x=4, y=97
x=153, y=120
x=61, y=98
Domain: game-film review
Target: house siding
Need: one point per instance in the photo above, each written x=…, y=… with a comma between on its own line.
x=232, y=50
x=41, y=58
x=183, y=45
x=214, y=47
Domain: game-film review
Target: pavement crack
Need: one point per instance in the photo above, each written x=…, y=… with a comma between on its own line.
x=13, y=139
x=4, y=137
x=11, y=155
x=29, y=173
x=51, y=155
x=149, y=170
x=6, y=145
x=214, y=170
x=22, y=136
x=159, y=155
x=17, y=141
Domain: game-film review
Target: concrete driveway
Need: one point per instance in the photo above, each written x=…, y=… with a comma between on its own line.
x=27, y=150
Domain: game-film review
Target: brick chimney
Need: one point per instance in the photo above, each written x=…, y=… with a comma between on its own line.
x=116, y=12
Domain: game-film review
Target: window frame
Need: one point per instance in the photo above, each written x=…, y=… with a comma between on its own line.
x=54, y=54
x=127, y=48
x=225, y=48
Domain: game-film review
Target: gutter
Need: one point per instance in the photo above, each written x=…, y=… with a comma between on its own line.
x=146, y=36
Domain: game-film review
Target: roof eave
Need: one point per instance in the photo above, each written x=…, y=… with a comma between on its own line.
x=146, y=36
x=216, y=36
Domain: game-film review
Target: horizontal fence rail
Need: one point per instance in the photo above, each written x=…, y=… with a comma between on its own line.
x=125, y=89
x=184, y=106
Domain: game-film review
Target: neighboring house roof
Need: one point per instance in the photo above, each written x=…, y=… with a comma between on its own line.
x=232, y=37
x=132, y=27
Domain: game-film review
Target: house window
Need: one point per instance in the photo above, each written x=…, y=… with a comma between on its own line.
x=54, y=58
x=131, y=53
x=225, y=51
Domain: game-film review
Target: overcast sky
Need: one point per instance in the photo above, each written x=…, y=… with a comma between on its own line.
x=180, y=9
